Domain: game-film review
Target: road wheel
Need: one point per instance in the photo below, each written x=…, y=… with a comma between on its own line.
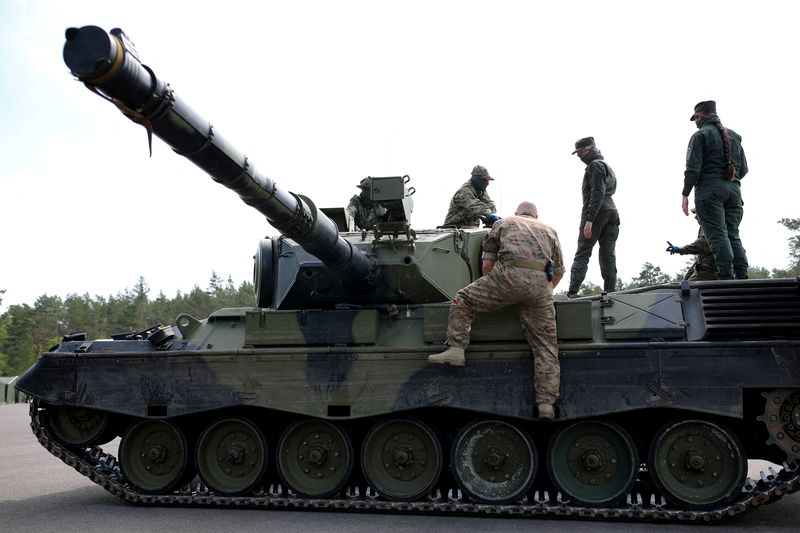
x=402, y=459
x=493, y=461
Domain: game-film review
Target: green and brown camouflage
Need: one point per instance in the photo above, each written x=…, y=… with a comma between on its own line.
x=324, y=386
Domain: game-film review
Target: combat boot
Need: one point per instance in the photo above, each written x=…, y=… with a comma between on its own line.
x=546, y=411
x=452, y=356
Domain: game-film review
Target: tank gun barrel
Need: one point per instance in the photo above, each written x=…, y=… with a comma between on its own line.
x=109, y=65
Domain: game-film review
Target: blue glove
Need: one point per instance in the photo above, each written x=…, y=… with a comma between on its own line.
x=672, y=249
x=491, y=218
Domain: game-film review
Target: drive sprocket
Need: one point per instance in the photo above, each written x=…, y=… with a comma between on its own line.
x=782, y=418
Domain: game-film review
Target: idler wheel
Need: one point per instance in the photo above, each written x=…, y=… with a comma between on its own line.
x=315, y=458
x=154, y=456
x=493, y=461
x=697, y=464
x=594, y=463
x=79, y=426
x=231, y=456
x=402, y=459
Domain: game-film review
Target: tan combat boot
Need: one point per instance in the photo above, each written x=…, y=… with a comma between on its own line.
x=546, y=411
x=452, y=356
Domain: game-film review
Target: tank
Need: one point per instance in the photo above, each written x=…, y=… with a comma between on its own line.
x=320, y=396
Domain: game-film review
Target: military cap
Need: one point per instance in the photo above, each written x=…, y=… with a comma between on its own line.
x=364, y=184
x=586, y=142
x=708, y=107
x=481, y=172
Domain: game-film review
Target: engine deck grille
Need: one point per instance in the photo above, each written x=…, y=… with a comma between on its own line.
x=767, y=308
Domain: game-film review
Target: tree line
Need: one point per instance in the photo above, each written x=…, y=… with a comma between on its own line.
x=27, y=331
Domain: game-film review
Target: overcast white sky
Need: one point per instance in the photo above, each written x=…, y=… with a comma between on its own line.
x=320, y=94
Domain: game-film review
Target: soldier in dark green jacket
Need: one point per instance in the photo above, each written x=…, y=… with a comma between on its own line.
x=715, y=164
x=599, y=219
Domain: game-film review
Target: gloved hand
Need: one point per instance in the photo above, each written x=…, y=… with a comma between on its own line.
x=672, y=249
x=491, y=218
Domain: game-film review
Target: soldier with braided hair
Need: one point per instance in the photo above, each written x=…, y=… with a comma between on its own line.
x=715, y=164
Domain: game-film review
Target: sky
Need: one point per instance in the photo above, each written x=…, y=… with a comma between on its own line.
x=320, y=94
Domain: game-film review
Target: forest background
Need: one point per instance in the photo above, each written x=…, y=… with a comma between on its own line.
x=26, y=331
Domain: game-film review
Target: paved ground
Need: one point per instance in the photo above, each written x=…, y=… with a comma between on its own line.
x=38, y=493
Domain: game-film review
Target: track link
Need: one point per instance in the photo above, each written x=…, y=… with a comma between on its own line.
x=103, y=469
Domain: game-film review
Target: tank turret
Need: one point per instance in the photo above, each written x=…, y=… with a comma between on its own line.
x=310, y=264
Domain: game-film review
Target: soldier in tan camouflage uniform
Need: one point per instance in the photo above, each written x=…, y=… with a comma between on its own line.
x=704, y=266
x=471, y=203
x=522, y=263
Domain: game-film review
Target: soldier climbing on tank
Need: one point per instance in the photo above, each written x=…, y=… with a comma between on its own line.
x=704, y=266
x=522, y=263
x=471, y=204
x=362, y=212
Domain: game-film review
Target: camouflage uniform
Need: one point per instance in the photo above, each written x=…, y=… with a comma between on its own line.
x=468, y=206
x=363, y=214
x=704, y=267
x=518, y=244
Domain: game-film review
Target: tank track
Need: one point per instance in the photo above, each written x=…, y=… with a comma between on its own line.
x=103, y=469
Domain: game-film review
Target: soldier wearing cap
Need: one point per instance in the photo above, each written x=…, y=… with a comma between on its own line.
x=361, y=209
x=599, y=218
x=471, y=203
x=522, y=263
x=715, y=164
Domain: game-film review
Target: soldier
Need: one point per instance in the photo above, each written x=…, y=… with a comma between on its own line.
x=530, y=266
x=361, y=210
x=704, y=266
x=599, y=219
x=715, y=164
x=471, y=203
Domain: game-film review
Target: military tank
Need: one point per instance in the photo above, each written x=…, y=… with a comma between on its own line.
x=320, y=396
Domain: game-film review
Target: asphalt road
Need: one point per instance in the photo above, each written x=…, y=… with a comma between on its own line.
x=39, y=493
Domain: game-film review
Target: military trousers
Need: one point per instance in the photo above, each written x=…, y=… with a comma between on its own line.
x=605, y=230
x=719, y=210
x=701, y=272
x=533, y=294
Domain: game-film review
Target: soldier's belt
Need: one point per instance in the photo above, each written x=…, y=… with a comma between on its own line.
x=525, y=264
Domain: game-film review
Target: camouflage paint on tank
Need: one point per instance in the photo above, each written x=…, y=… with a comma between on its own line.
x=348, y=363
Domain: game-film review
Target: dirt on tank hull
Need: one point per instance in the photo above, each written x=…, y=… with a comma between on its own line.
x=322, y=397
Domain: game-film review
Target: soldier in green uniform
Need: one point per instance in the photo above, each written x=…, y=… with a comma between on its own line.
x=361, y=209
x=715, y=164
x=522, y=263
x=471, y=203
x=599, y=219
x=704, y=266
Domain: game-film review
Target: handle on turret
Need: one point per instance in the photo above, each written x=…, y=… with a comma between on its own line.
x=109, y=65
